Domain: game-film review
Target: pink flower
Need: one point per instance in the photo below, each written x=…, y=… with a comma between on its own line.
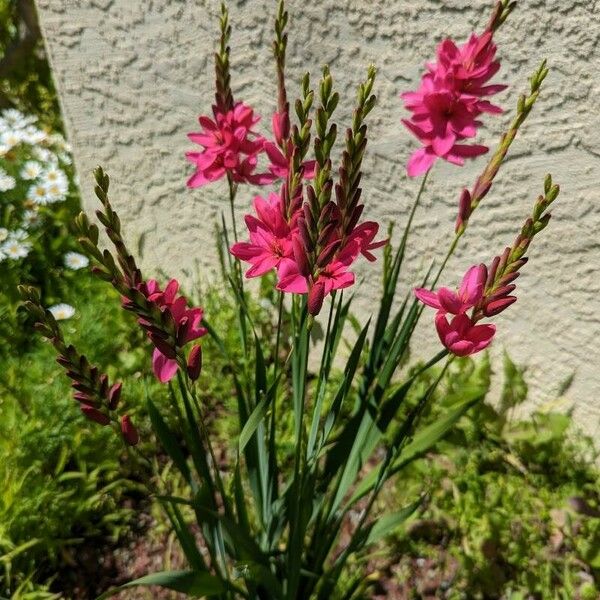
x=461, y=337
x=270, y=237
x=187, y=323
x=468, y=295
x=446, y=107
x=230, y=147
x=471, y=64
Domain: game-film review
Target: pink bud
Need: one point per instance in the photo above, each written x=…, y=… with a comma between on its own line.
x=94, y=414
x=194, y=362
x=129, y=431
x=497, y=306
x=114, y=394
x=82, y=397
x=316, y=295
x=501, y=292
x=464, y=210
x=163, y=346
x=300, y=257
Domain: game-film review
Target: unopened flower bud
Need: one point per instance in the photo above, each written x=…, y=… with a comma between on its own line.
x=163, y=346
x=94, y=414
x=114, y=395
x=194, y=362
x=464, y=210
x=316, y=295
x=83, y=397
x=300, y=257
x=497, y=306
x=129, y=431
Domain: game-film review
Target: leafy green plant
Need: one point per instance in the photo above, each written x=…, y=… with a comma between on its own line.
x=25, y=76
x=38, y=199
x=514, y=506
x=62, y=484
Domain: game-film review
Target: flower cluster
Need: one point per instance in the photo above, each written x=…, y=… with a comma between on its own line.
x=313, y=243
x=231, y=148
x=185, y=322
x=485, y=291
x=98, y=399
x=165, y=316
x=446, y=107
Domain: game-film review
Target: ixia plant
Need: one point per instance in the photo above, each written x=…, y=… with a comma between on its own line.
x=294, y=520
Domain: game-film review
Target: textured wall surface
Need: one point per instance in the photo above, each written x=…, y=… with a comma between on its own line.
x=134, y=74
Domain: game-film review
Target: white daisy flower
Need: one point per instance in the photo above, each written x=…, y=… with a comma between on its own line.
x=62, y=311
x=31, y=218
x=14, y=249
x=65, y=158
x=44, y=155
x=18, y=235
x=55, y=192
x=54, y=176
x=38, y=194
x=6, y=182
x=9, y=139
x=32, y=135
x=3, y=234
x=17, y=119
x=76, y=261
x=31, y=170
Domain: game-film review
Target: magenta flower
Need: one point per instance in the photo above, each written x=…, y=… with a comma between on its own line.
x=446, y=107
x=468, y=295
x=270, y=237
x=471, y=65
x=187, y=323
x=461, y=336
x=230, y=147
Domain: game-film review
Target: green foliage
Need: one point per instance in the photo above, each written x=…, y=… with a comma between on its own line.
x=38, y=200
x=25, y=76
x=64, y=479
x=514, y=507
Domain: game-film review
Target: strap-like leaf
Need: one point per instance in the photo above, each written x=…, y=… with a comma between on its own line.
x=197, y=584
x=169, y=441
x=386, y=524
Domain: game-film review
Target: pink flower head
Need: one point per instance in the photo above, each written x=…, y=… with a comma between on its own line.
x=472, y=64
x=230, y=147
x=270, y=237
x=468, y=295
x=461, y=337
x=187, y=323
x=446, y=107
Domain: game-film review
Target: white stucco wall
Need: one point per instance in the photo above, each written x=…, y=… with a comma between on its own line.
x=134, y=74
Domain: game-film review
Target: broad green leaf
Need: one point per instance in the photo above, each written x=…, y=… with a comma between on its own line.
x=197, y=584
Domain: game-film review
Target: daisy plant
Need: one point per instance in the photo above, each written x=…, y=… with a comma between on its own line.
x=38, y=201
x=259, y=517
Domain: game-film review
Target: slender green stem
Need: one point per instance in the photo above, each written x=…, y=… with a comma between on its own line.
x=232, y=195
x=450, y=252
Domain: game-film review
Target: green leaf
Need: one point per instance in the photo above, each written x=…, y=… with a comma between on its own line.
x=169, y=441
x=429, y=436
x=388, y=523
x=197, y=584
x=254, y=420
